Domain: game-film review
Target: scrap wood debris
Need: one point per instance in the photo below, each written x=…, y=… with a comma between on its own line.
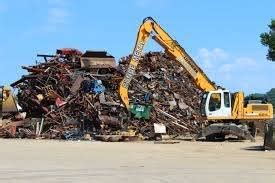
x=69, y=95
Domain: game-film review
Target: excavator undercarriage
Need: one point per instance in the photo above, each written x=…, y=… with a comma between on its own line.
x=236, y=130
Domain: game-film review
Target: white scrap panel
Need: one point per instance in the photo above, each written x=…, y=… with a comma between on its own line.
x=159, y=128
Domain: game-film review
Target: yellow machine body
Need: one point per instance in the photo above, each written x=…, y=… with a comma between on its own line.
x=7, y=101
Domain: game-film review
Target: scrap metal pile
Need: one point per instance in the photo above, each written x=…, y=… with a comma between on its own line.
x=162, y=83
x=68, y=96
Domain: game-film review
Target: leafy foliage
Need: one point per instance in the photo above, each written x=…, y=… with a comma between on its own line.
x=268, y=40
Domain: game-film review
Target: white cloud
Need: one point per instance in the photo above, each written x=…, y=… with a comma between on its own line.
x=216, y=53
x=57, y=15
x=58, y=2
x=240, y=64
x=218, y=60
x=226, y=68
x=236, y=73
x=246, y=61
x=210, y=57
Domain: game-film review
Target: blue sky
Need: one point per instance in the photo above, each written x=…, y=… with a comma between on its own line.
x=222, y=36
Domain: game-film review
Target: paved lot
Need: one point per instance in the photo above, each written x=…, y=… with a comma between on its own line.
x=56, y=161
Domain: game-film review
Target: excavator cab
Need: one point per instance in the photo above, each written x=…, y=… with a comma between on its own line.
x=216, y=104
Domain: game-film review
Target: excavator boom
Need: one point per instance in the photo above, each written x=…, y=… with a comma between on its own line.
x=150, y=28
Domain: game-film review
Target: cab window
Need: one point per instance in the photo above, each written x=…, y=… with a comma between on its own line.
x=226, y=99
x=215, y=102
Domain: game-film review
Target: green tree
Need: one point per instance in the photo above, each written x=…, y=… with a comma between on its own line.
x=268, y=40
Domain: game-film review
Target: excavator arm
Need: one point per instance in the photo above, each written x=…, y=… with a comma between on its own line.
x=150, y=28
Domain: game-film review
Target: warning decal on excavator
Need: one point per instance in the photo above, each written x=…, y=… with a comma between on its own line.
x=133, y=64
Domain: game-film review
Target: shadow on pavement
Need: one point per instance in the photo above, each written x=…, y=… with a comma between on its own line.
x=254, y=148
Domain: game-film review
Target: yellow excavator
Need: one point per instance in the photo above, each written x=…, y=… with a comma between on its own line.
x=227, y=113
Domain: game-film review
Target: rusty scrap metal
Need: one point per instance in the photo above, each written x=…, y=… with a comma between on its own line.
x=162, y=82
x=64, y=100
